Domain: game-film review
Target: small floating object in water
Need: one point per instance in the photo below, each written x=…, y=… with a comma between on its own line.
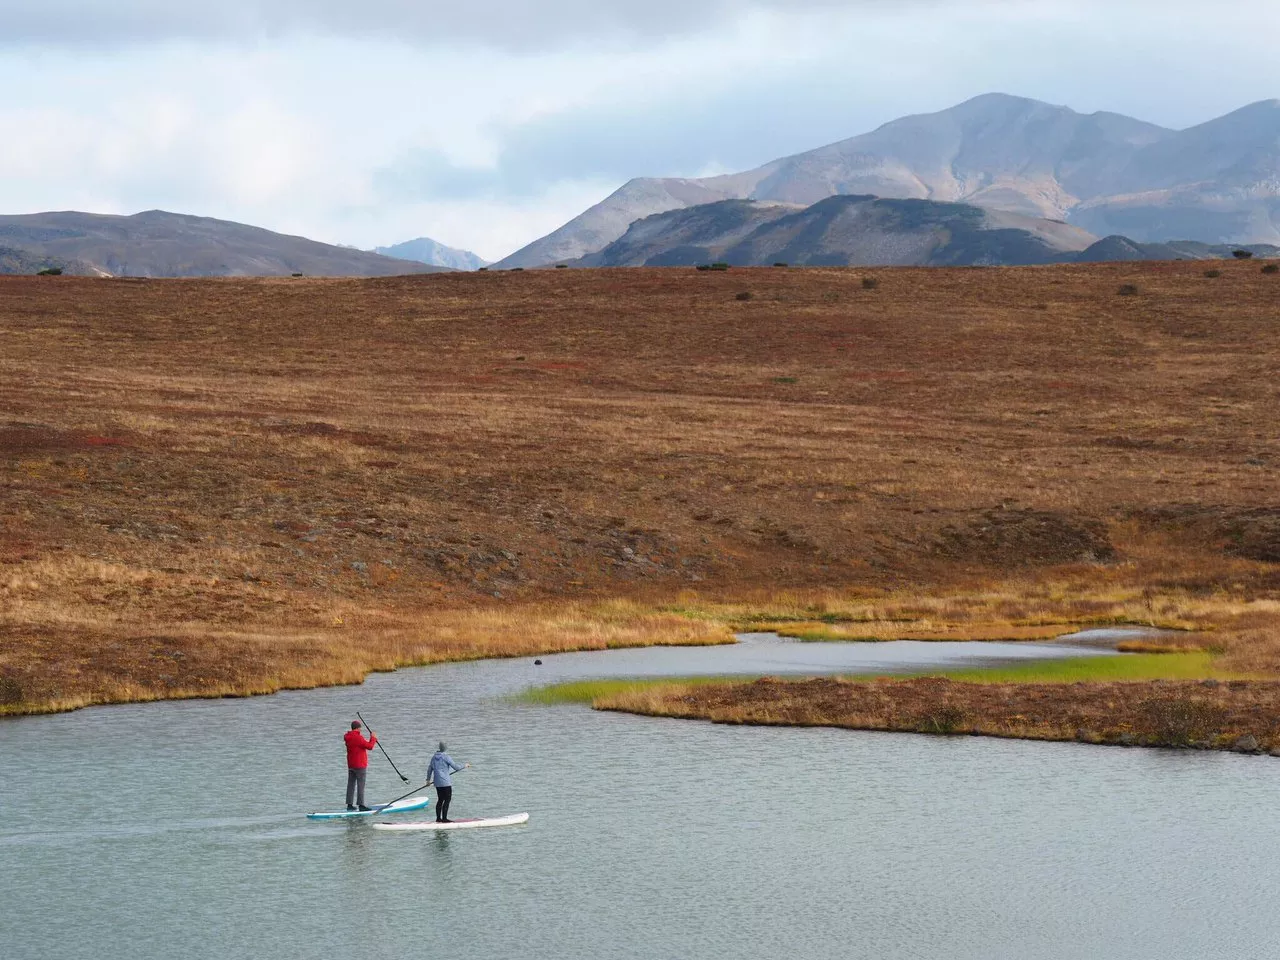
x=467, y=824
x=537, y=663
x=400, y=806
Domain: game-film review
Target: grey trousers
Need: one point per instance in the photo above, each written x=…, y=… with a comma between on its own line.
x=355, y=786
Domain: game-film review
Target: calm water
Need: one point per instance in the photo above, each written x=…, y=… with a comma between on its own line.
x=175, y=831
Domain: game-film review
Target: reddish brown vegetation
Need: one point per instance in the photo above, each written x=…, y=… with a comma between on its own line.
x=328, y=465
x=1206, y=714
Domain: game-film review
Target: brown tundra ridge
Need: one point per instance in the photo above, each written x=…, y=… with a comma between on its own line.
x=225, y=487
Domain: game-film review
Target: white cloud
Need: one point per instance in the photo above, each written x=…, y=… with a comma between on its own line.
x=367, y=140
x=490, y=226
x=509, y=24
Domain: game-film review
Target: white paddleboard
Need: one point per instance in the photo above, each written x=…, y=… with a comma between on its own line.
x=465, y=824
x=400, y=806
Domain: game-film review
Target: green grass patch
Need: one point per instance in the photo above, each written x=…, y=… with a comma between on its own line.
x=589, y=691
x=1194, y=665
x=826, y=635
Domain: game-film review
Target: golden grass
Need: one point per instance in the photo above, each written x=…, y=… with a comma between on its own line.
x=202, y=662
x=212, y=487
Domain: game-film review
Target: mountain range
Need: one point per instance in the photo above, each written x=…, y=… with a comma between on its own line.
x=872, y=231
x=997, y=179
x=160, y=244
x=426, y=250
x=1218, y=182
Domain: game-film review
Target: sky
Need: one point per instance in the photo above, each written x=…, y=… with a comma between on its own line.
x=486, y=126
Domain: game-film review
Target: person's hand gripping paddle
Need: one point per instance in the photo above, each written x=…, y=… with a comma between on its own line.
x=383, y=749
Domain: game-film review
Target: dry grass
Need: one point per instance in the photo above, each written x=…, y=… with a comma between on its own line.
x=128, y=664
x=1209, y=714
x=213, y=487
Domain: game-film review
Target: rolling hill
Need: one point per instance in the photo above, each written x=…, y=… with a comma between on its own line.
x=161, y=244
x=840, y=231
x=1117, y=248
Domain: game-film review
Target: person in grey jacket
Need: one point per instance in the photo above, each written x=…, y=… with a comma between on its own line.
x=441, y=771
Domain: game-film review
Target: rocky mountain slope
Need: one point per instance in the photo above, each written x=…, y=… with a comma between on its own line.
x=840, y=231
x=1218, y=182
x=426, y=250
x=160, y=244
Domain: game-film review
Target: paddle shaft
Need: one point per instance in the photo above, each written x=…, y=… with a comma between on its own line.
x=384, y=751
x=407, y=795
x=411, y=792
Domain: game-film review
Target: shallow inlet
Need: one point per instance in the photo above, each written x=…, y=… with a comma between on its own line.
x=175, y=830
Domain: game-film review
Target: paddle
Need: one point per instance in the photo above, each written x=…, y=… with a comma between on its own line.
x=383, y=806
x=384, y=751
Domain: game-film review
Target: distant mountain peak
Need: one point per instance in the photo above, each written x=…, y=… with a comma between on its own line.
x=426, y=250
x=1105, y=172
x=1004, y=101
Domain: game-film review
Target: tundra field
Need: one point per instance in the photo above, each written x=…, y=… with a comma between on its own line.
x=224, y=487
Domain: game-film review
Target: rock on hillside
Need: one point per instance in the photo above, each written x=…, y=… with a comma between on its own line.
x=160, y=244
x=839, y=231
x=1218, y=182
x=426, y=250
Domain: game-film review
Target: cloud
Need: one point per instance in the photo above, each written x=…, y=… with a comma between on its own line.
x=362, y=140
x=508, y=24
x=702, y=106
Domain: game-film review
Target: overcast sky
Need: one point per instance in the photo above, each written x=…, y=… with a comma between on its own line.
x=487, y=125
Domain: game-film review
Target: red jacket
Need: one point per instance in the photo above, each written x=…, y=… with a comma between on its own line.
x=358, y=749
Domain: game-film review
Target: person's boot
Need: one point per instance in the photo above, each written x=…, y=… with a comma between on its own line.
x=364, y=809
x=351, y=806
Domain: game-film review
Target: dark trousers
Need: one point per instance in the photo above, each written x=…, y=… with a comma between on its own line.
x=355, y=786
x=443, y=796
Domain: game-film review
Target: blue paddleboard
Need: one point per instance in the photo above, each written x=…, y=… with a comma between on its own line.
x=400, y=806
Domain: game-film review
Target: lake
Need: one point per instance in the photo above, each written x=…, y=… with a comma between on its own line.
x=176, y=830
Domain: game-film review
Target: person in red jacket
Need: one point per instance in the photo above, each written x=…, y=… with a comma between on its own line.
x=357, y=764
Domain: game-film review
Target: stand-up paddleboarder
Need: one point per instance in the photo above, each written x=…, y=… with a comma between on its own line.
x=357, y=764
x=441, y=771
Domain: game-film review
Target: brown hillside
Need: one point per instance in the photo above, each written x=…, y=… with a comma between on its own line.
x=218, y=485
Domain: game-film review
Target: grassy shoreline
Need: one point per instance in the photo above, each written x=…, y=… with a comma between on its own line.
x=1191, y=665
x=74, y=666
x=1208, y=714
x=1181, y=700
